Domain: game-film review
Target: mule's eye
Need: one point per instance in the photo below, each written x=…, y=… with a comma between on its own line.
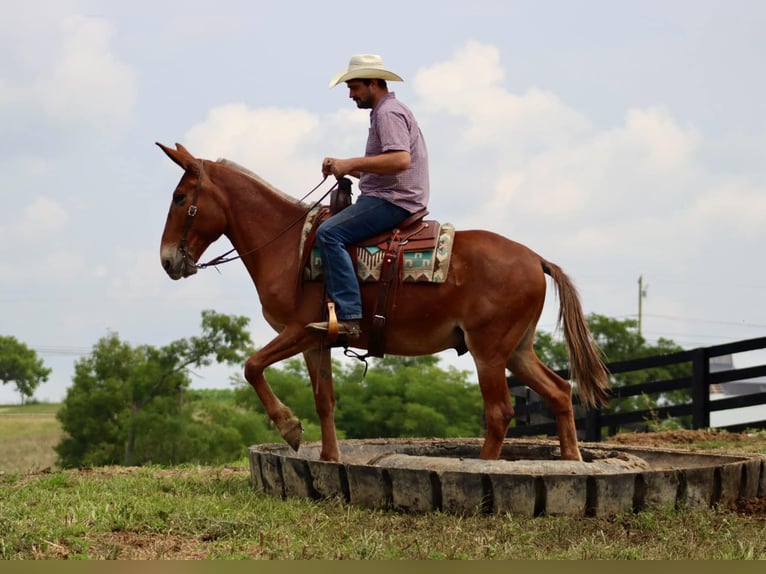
x=179, y=198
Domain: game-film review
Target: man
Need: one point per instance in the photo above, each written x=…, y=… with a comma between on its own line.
x=393, y=184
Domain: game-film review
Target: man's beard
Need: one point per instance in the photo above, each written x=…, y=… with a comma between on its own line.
x=363, y=103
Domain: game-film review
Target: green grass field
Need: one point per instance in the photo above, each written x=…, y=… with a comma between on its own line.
x=193, y=513
x=28, y=434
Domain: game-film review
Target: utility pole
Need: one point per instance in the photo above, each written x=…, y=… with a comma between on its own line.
x=641, y=295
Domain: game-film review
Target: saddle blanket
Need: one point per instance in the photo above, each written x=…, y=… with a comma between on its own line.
x=418, y=265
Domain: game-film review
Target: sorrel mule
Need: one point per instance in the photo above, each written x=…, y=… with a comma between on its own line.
x=488, y=306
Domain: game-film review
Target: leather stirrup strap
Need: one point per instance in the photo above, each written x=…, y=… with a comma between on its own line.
x=389, y=276
x=332, y=323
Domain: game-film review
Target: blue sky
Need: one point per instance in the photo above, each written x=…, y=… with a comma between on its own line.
x=618, y=139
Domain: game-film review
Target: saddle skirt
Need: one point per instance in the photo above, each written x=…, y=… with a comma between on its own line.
x=426, y=250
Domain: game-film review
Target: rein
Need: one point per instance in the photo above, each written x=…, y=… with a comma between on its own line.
x=225, y=257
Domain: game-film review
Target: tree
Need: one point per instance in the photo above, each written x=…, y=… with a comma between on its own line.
x=125, y=400
x=407, y=397
x=20, y=365
x=398, y=397
x=619, y=340
x=209, y=429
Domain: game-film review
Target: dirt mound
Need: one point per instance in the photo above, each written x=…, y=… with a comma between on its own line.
x=673, y=438
x=752, y=506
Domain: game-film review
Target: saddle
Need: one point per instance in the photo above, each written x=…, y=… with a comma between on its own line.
x=413, y=235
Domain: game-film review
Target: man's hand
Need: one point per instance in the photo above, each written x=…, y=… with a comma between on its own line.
x=336, y=167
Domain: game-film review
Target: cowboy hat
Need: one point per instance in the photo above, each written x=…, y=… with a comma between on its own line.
x=364, y=66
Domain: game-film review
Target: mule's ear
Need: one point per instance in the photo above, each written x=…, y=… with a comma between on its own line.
x=181, y=155
x=182, y=149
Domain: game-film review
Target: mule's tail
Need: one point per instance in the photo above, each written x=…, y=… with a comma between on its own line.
x=585, y=365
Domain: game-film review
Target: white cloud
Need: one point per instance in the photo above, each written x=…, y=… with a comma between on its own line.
x=541, y=159
x=64, y=66
x=269, y=141
x=40, y=221
x=455, y=85
x=634, y=169
x=470, y=86
x=88, y=83
x=736, y=208
x=665, y=147
x=235, y=130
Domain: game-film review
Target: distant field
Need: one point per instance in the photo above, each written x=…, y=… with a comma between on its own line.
x=28, y=434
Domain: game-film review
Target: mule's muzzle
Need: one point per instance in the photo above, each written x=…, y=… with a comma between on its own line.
x=178, y=264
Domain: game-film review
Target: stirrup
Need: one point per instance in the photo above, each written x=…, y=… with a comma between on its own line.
x=348, y=328
x=332, y=323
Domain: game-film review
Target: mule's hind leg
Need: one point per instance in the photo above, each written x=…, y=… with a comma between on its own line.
x=490, y=344
x=554, y=390
x=498, y=410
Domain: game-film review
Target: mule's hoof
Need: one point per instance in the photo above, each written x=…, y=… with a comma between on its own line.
x=292, y=434
x=574, y=457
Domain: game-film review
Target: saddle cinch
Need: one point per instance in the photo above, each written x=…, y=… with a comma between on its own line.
x=417, y=250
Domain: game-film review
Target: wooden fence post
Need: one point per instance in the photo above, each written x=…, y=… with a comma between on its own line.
x=700, y=389
x=593, y=424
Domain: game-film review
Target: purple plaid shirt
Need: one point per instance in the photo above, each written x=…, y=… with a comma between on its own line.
x=394, y=128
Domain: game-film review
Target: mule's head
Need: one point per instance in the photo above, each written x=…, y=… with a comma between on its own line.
x=195, y=218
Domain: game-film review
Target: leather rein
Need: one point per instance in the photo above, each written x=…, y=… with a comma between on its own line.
x=226, y=257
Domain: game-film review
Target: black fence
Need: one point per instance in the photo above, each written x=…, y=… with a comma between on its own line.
x=534, y=418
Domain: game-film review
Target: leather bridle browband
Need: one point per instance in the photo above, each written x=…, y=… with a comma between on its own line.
x=224, y=258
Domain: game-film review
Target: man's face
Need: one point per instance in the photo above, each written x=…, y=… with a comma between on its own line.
x=361, y=93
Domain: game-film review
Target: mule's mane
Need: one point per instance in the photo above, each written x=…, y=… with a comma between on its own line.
x=257, y=178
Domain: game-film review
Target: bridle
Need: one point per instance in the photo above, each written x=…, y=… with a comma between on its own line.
x=190, y=214
x=225, y=257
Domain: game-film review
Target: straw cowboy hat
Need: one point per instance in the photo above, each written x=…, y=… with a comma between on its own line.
x=364, y=66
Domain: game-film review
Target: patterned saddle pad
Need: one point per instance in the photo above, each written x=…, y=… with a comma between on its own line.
x=425, y=259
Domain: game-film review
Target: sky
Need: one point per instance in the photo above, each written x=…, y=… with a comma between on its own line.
x=620, y=140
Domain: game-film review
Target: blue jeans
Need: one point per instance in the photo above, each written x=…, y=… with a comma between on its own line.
x=363, y=219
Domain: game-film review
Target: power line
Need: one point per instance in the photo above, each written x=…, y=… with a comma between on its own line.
x=690, y=320
x=729, y=323
x=63, y=351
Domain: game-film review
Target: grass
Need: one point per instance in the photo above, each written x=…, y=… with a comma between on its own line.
x=193, y=512
x=213, y=513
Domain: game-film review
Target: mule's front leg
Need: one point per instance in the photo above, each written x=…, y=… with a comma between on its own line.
x=285, y=345
x=288, y=425
x=319, y=366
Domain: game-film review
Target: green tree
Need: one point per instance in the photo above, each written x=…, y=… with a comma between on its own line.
x=407, y=397
x=20, y=365
x=398, y=397
x=208, y=429
x=619, y=340
x=127, y=404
